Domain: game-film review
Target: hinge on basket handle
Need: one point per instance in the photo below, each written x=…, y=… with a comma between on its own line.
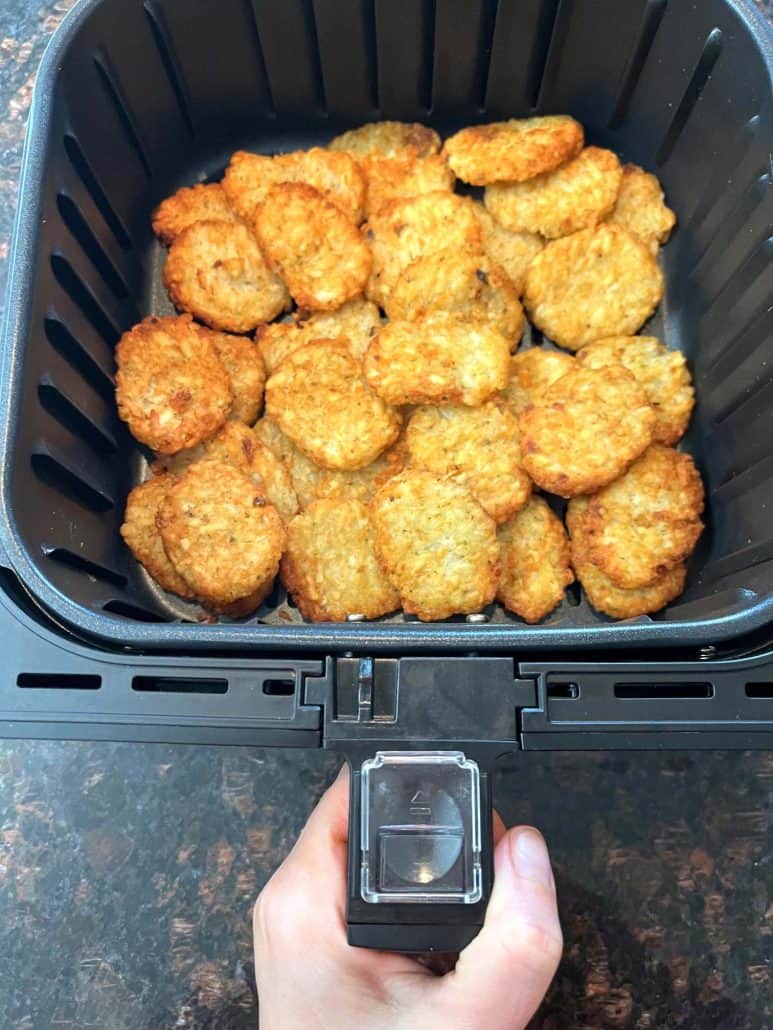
x=354, y=690
x=401, y=701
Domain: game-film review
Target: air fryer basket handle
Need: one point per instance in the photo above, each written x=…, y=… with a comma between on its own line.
x=404, y=867
x=421, y=735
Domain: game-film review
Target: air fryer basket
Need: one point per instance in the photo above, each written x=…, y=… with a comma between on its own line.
x=135, y=99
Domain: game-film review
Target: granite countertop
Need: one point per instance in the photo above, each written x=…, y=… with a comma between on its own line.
x=127, y=872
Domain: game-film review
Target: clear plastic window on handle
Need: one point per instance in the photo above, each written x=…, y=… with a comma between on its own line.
x=420, y=828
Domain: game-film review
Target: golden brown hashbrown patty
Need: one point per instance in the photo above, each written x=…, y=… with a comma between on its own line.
x=239, y=446
x=514, y=150
x=648, y=520
x=171, y=387
x=585, y=430
x=221, y=534
x=404, y=230
x=595, y=283
x=249, y=177
x=330, y=565
x=663, y=373
x=141, y=535
x=215, y=271
x=393, y=178
x=535, y=561
x=436, y=544
x=305, y=475
x=476, y=447
x=465, y=284
x=313, y=246
x=437, y=360
x=601, y=592
x=388, y=139
x=576, y=195
x=244, y=365
x=512, y=251
x=191, y=204
x=320, y=399
x=641, y=208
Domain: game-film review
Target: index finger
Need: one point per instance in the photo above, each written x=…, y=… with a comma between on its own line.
x=308, y=891
x=324, y=838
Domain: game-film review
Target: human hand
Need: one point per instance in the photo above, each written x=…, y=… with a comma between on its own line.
x=308, y=976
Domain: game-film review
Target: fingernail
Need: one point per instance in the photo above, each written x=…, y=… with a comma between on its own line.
x=530, y=857
x=343, y=772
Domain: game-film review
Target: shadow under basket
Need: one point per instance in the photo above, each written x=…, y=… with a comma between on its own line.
x=136, y=99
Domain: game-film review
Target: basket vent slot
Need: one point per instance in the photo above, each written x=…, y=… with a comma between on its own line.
x=76, y=355
x=544, y=37
x=724, y=174
x=703, y=69
x=485, y=50
x=740, y=401
x=650, y=23
x=428, y=49
x=132, y=611
x=573, y=594
x=738, y=349
x=91, y=246
x=163, y=39
x=760, y=691
x=91, y=183
x=663, y=691
x=260, y=59
x=755, y=468
x=737, y=402
x=58, y=681
x=279, y=687
x=117, y=97
x=727, y=333
x=316, y=59
x=81, y=295
x=179, y=685
x=371, y=51
x=564, y=691
x=739, y=217
x=738, y=561
x=69, y=482
x=83, y=564
x=297, y=87
x=731, y=288
x=351, y=78
x=73, y=418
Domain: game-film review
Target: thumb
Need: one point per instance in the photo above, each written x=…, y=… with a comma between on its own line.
x=503, y=975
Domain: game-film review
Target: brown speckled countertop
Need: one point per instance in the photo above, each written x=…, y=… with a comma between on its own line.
x=127, y=872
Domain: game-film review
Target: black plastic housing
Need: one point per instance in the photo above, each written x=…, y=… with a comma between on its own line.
x=54, y=686
x=135, y=99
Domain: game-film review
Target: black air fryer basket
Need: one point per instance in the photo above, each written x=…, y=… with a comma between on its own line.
x=136, y=99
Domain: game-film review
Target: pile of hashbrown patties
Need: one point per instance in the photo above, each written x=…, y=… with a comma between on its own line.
x=371, y=315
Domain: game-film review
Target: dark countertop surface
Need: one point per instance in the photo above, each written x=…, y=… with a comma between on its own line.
x=127, y=872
